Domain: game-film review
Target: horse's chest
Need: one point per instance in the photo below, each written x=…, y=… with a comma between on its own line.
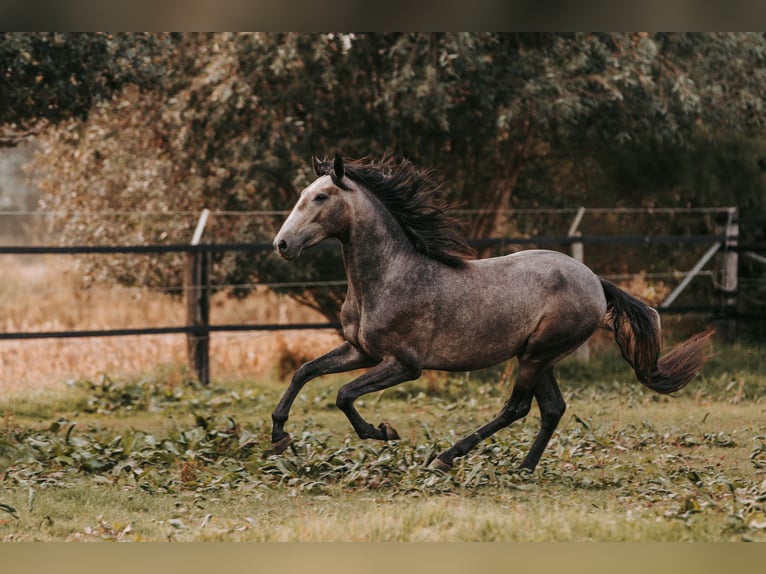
x=386, y=321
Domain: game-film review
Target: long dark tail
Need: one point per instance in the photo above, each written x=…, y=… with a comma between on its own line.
x=637, y=332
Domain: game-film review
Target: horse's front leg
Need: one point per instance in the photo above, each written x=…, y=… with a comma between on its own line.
x=387, y=373
x=346, y=357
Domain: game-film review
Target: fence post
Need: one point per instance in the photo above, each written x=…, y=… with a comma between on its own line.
x=725, y=273
x=583, y=351
x=197, y=291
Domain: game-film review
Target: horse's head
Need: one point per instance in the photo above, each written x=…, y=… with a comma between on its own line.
x=321, y=211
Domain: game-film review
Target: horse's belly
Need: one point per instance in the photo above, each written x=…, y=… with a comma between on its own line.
x=473, y=347
x=468, y=362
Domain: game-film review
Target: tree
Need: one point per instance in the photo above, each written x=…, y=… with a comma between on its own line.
x=51, y=77
x=237, y=116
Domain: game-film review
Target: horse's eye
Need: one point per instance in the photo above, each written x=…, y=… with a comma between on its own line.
x=321, y=197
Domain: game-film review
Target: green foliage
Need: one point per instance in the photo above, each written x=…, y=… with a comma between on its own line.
x=143, y=459
x=55, y=76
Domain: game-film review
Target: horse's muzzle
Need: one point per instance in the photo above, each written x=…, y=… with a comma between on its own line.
x=283, y=248
x=290, y=245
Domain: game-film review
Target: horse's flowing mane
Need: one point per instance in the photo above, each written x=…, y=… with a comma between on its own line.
x=411, y=195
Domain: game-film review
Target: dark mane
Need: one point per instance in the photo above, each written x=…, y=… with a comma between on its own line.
x=411, y=195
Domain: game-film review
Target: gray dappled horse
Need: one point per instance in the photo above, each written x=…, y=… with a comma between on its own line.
x=416, y=300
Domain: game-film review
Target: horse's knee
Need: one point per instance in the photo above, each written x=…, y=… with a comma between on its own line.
x=301, y=375
x=344, y=398
x=561, y=408
x=523, y=408
x=555, y=407
x=515, y=410
x=553, y=414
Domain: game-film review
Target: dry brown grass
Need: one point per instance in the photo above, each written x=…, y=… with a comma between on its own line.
x=46, y=294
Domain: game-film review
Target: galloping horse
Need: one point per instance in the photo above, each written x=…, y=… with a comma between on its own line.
x=417, y=300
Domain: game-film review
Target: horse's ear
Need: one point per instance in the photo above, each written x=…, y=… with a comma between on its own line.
x=315, y=164
x=337, y=167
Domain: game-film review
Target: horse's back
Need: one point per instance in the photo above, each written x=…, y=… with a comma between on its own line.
x=557, y=274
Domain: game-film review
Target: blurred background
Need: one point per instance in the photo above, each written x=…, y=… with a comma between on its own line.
x=637, y=152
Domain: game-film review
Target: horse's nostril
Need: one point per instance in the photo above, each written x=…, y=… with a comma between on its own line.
x=282, y=246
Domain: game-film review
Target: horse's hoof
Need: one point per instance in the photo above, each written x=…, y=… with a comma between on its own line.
x=389, y=432
x=439, y=464
x=280, y=446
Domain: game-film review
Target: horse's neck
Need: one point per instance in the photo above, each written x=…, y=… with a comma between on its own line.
x=376, y=250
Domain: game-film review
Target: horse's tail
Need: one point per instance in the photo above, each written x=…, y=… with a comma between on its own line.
x=637, y=332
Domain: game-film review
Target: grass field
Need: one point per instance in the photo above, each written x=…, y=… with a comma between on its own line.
x=114, y=441
x=159, y=458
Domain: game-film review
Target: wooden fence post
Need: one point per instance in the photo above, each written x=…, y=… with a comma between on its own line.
x=197, y=291
x=725, y=273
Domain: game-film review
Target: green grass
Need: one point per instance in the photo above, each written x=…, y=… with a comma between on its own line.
x=157, y=459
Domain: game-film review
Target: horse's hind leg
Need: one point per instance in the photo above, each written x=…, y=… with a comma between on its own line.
x=552, y=407
x=551, y=341
x=515, y=408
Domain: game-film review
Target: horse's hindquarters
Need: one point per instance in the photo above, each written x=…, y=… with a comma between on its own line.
x=496, y=308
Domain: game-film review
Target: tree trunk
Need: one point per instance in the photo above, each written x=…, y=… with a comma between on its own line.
x=492, y=222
